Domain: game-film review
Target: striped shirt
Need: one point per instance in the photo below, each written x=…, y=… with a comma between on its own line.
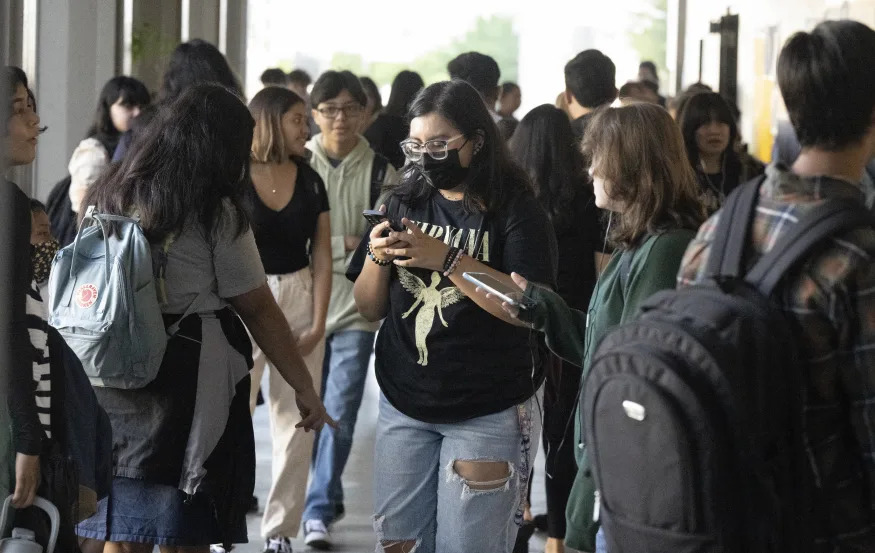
x=37, y=328
x=831, y=301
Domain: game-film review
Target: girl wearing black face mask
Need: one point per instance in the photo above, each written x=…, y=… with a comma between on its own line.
x=458, y=384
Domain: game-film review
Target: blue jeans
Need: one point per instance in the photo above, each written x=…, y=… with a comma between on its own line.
x=601, y=545
x=344, y=371
x=419, y=496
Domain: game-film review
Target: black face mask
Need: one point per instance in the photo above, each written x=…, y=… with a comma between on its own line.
x=444, y=174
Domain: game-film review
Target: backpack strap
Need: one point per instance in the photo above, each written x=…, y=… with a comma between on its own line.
x=825, y=220
x=730, y=237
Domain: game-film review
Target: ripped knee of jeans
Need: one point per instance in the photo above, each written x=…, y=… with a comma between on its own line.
x=481, y=476
x=392, y=546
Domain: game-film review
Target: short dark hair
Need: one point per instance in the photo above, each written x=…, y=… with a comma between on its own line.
x=195, y=62
x=331, y=83
x=405, y=87
x=274, y=77
x=827, y=80
x=508, y=86
x=300, y=77
x=479, y=70
x=592, y=78
x=132, y=92
x=36, y=206
x=493, y=179
x=647, y=64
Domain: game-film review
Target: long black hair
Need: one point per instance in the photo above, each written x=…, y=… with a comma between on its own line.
x=545, y=147
x=701, y=109
x=405, y=87
x=493, y=179
x=194, y=62
x=132, y=92
x=182, y=167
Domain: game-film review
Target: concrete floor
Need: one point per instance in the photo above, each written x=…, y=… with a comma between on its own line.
x=354, y=533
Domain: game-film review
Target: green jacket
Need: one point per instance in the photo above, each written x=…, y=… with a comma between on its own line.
x=574, y=336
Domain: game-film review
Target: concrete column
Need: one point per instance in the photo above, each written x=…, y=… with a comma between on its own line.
x=200, y=19
x=232, y=34
x=156, y=28
x=76, y=53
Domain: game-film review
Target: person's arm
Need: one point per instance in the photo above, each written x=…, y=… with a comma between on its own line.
x=320, y=261
x=86, y=165
x=426, y=252
x=371, y=288
x=564, y=328
x=26, y=430
x=269, y=329
x=856, y=379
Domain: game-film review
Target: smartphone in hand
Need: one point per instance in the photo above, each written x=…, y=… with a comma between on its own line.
x=510, y=295
x=375, y=217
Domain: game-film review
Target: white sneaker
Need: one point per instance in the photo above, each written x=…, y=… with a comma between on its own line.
x=277, y=544
x=316, y=535
x=217, y=549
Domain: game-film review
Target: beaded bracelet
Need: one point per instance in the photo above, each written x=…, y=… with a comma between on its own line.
x=455, y=264
x=381, y=263
x=448, y=261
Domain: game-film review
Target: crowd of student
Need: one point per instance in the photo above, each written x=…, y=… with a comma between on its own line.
x=265, y=262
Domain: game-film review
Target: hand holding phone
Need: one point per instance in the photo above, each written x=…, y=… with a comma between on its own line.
x=375, y=217
x=507, y=294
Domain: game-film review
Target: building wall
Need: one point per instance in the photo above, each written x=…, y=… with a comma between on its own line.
x=764, y=26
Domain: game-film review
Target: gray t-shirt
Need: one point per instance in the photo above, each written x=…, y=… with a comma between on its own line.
x=226, y=264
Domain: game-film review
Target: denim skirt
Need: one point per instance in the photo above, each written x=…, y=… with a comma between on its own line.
x=141, y=512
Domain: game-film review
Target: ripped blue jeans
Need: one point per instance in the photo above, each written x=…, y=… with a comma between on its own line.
x=419, y=497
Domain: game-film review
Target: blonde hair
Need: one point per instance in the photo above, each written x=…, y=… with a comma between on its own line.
x=639, y=150
x=268, y=108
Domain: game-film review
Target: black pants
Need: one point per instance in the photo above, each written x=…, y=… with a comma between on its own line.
x=560, y=404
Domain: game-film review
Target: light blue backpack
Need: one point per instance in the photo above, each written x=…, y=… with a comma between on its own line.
x=103, y=301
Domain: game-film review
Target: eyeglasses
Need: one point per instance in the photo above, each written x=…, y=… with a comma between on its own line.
x=349, y=110
x=437, y=149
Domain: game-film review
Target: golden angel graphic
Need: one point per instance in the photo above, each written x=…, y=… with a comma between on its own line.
x=428, y=299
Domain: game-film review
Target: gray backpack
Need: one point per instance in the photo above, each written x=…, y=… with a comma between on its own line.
x=103, y=302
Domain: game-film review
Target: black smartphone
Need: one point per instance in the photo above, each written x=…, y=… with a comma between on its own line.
x=375, y=217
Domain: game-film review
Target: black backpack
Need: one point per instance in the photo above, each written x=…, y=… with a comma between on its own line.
x=693, y=411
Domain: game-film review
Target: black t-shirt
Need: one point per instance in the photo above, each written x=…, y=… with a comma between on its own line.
x=440, y=358
x=578, y=240
x=282, y=236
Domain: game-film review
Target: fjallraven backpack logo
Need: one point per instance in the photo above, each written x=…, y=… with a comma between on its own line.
x=86, y=296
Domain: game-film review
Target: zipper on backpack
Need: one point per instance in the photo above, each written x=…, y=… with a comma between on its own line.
x=597, y=506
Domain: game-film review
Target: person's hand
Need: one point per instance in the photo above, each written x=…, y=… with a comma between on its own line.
x=511, y=310
x=379, y=243
x=313, y=414
x=27, y=478
x=309, y=339
x=422, y=250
